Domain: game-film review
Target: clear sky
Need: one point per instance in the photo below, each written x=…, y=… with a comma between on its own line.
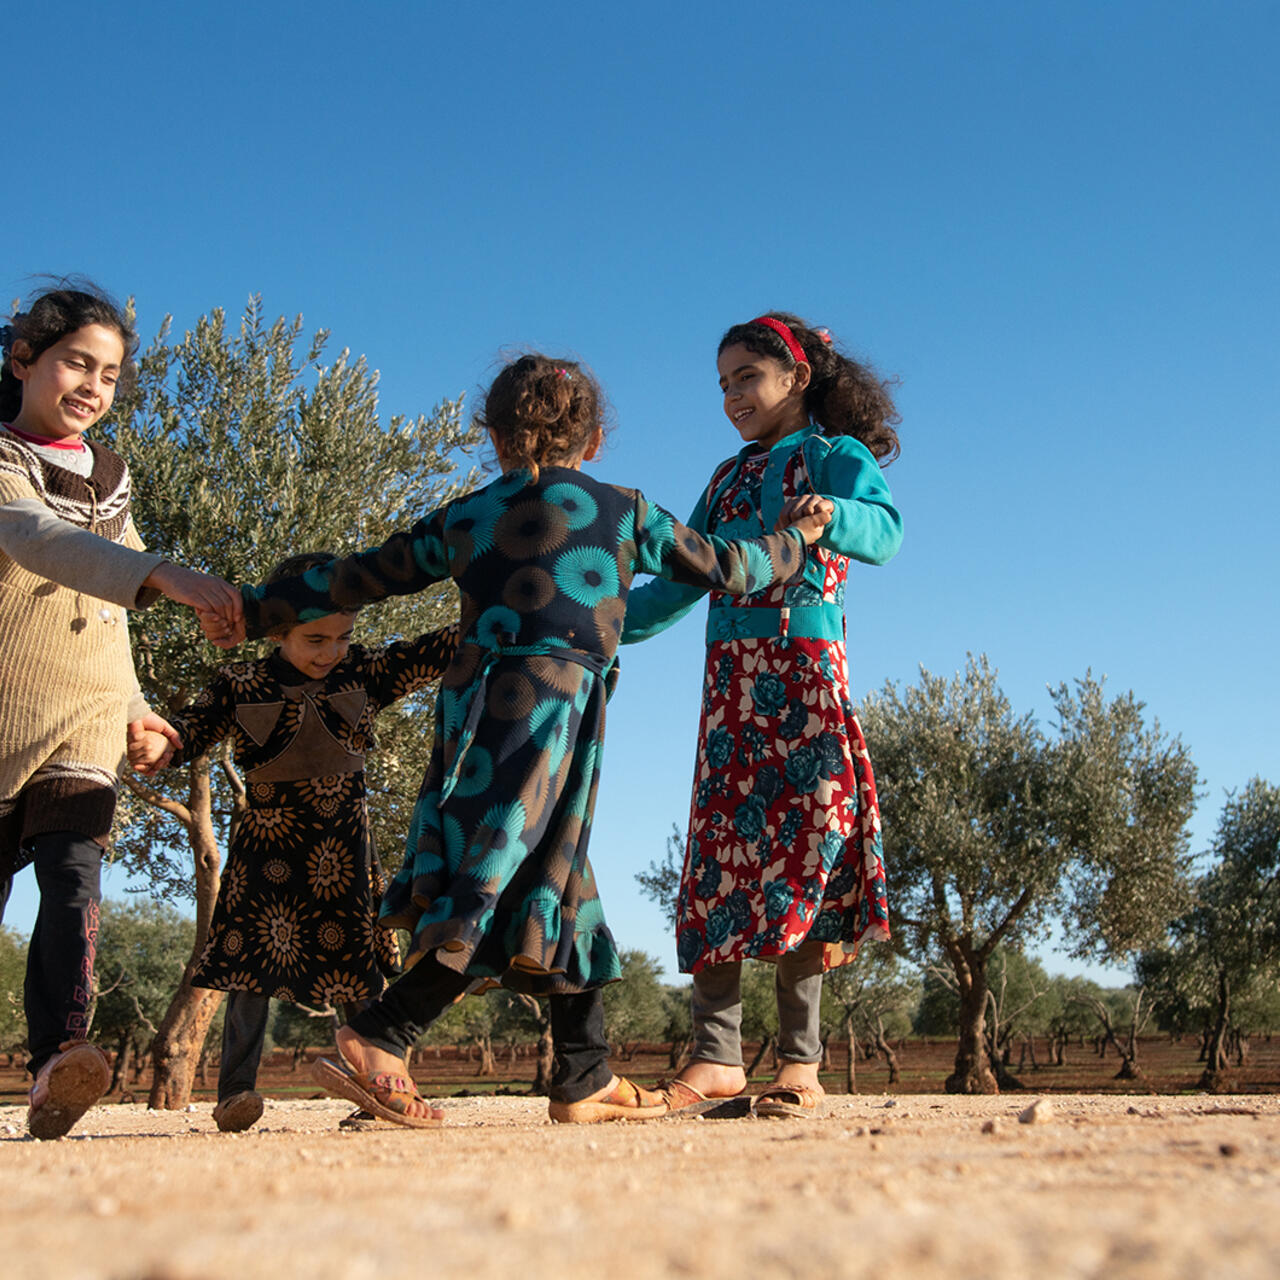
x=1056, y=222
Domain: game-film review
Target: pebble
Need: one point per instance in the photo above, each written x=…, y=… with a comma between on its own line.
x=1039, y=1112
x=104, y=1206
x=1228, y=1149
x=991, y=1126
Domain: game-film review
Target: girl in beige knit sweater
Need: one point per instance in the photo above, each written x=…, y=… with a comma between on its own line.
x=70, y=565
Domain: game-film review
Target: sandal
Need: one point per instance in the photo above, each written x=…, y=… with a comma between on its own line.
x=686, y=1102
x=239, y=1112
x=625, y=1101
x=789, y=1102
x=74, y=1079
x=386, y=1096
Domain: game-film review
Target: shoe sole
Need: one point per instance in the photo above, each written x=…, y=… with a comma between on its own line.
x=241, y=1112
x=75, y=1084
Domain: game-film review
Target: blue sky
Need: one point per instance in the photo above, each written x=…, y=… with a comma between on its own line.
x=1055, y=222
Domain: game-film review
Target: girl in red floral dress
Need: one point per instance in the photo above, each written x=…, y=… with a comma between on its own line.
x=783, y=859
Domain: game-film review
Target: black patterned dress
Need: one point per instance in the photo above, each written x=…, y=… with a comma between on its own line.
x=295, y=916
x=496, y=881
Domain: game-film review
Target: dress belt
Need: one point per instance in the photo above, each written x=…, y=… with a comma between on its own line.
x=595, y=662
x=757, y=622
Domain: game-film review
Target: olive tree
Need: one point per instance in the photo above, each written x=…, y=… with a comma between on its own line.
x=1223, y=956
x=247, y=446
x=993, y=828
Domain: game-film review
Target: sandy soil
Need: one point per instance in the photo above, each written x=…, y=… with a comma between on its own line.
x=915, y=1186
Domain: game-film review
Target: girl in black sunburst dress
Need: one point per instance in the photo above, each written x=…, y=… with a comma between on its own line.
x=496, y=883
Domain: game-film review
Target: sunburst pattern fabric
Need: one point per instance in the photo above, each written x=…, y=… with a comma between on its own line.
x=296, y=909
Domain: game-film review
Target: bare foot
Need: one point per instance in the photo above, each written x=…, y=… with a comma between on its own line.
x=369, y=1060
x=799, y=1075
x=713, y=1079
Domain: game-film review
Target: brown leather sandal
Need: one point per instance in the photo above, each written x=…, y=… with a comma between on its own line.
x=386, y=1096
x=686, y=1102
x=789, y=1102
x=625, y=1101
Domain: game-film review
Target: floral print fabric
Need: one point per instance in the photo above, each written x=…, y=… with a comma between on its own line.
x=784, y=835
x=296, y=910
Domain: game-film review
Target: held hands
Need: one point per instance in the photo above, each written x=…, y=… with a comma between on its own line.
x=151, y=742
x=808, y=515
x=218, y=605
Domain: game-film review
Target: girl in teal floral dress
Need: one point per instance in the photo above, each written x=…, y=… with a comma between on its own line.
x=496, y=884
x=783, y=855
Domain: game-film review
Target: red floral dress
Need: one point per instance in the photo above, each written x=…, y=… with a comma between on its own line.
x=784, y=835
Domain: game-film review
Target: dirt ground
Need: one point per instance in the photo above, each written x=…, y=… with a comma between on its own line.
x=918, y=1185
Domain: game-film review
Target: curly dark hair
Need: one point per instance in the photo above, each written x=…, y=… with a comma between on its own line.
x=543, y=411
x=51, y=315
x=844, y=397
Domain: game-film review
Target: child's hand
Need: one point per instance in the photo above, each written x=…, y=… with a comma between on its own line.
x=151, y=742
x=207, y=595
x=808, y=515
x=218, y=630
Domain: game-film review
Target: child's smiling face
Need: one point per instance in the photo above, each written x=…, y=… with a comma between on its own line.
x=316, y=647
x=69, y=385
x=763, y=400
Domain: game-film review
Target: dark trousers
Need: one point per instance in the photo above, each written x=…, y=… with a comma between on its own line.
x=244, y=1030
x=59, y=988
x=419, y=996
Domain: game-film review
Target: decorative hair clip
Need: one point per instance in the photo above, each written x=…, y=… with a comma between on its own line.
x=824, y=334
x=564, y=374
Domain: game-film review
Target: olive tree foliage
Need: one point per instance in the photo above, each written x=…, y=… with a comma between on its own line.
x=13, y=967
x=1221, y=962
x=247, y=446
x=993, y=828
x=635, y=1009
x=143, y=947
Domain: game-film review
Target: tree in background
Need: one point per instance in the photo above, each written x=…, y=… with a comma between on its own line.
x=1223, y=956
x=13, y=969
x=245, y=448
x=874, y=997
x=992, y=829
x=143, y=946
x=635, y=1008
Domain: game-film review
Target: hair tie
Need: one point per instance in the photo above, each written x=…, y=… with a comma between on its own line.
x=824, y=334
x=797, y=351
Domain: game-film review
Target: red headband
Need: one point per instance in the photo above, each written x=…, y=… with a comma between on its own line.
x=797, y=351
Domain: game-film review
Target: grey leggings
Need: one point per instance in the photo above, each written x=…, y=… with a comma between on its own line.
x=717, y=1008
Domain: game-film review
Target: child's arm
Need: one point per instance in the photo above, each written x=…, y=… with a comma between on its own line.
x=200, y=725
x=119, y=572
x=406, y=666
x=407, y=562
x=659, y=604
x=864, y=523
x=673, y=551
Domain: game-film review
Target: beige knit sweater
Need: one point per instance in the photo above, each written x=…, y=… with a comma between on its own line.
x=70, y=564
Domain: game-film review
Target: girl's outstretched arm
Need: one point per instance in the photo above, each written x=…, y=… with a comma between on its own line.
x=407, y=562
x=657, y=605
x=865, y=524
x=673, y=551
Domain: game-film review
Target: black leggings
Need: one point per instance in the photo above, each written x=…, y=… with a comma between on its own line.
x=417, y=998
x=59, y=988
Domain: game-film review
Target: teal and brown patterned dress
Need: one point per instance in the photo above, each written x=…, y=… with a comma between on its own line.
x=496, y=881
x=296, y=912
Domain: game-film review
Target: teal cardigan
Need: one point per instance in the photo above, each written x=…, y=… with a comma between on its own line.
x=865, y=524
